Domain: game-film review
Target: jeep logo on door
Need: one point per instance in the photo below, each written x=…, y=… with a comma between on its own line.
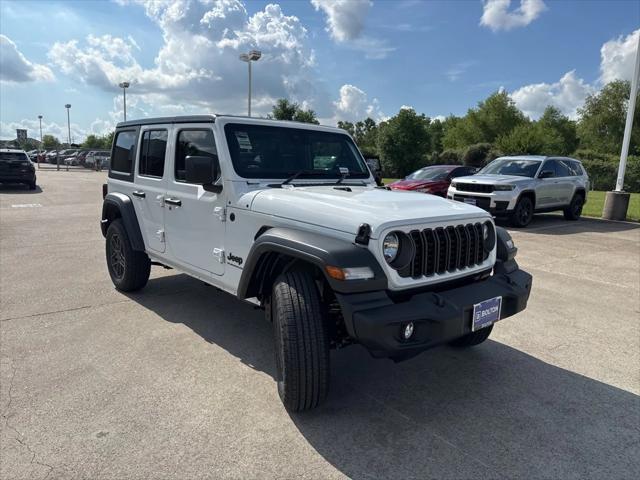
x=232, y=258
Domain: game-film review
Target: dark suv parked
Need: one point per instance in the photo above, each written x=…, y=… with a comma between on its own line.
x=15, y=167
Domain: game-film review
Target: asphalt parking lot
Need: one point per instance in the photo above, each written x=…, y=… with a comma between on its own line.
x=177, y=381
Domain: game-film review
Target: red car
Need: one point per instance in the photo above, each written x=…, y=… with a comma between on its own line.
x=434, y=179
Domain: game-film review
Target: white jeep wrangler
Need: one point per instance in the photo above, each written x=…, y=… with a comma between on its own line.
x=288, y=216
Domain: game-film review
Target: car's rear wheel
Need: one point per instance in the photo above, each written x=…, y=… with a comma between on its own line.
x=574, y=210
x=301, y=341
x=523, y=213
x=32, y=186
x=129, y=269
x=473, y=338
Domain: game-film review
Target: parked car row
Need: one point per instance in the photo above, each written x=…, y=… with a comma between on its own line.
x=514, y=187
x=73, y=157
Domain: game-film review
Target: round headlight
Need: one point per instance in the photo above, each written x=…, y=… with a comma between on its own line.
x=488, y=236
x=390, y=247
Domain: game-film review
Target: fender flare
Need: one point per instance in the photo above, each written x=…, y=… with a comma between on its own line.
x=316, y=249
x=124, y=206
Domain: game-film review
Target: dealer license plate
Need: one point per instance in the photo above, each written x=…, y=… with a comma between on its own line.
x=486, y=313
x=470, y=201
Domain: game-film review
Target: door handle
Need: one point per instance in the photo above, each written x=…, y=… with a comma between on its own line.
x=139, y=193
x=173, y=201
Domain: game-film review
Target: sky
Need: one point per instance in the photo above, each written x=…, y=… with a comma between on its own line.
x=345, y=59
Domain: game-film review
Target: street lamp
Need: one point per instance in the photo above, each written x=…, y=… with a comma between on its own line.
x=124, y=86
x=252, y=56
x=68, y=107
x=40, y=149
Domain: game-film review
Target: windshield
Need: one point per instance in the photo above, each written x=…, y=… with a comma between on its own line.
x=13, y=157
x=430, y=173
x=260, y=151
x=512, y=166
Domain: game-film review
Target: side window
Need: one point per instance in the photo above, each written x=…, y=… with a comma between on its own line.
x=152, y=153
x=124, y=151
x=562, y=170
x=550, y=165
x=193, y=143
x=575, y=169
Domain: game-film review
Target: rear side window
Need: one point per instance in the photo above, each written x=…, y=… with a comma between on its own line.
x=200, y=143
x=575, y=168
x=153, y=148
x=13, y=157
x=124, y=151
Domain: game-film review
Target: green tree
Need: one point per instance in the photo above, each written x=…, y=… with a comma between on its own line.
x=494, y=117
x=553, y=120
x=347, y=126
x=50, y=142
x=404, y=142
x=286, y=110
x=602, y=120
x=107, y=140
x=531, y=138
x=436, y=132
x=92, y=141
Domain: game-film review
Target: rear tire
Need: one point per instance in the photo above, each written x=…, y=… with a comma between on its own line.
x=472, y=339
x=301, y=341
x=32, y=186
x=129, y=269
x=574, y=210
x=523, y=213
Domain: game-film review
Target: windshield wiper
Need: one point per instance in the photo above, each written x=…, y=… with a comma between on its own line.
x=314, y=173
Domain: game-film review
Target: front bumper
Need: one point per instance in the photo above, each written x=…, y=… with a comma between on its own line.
x=375, y=320
x=497, y=203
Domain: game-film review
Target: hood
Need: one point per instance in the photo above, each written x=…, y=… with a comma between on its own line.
x=492, y=179
x=346, y=211
x=412, y=184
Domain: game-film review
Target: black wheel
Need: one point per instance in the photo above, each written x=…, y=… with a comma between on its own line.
x=473, y=338
x=574, y=210
x=32, y=186
x=523, y=213
x=301, y=341
x=129, y=269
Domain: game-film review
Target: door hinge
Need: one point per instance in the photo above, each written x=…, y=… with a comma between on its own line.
x=160, y=235
x=221, y=212
x=219, y=254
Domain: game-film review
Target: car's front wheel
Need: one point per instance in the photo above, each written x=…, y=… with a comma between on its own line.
x=301, y=341
x=523, y=213
x=129, y=269
x=574, y=210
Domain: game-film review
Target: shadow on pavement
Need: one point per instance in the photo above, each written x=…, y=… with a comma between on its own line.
x=491, y=411
x=549, y=224
x=18, y=188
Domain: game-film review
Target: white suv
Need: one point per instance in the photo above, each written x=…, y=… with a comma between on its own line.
x=287, y=216
x=519, y=186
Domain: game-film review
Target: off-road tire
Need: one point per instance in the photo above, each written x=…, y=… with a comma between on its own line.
x=574, y=210
x=523, y=213
x=473, y=338
x=301, y=341
x=129, y=269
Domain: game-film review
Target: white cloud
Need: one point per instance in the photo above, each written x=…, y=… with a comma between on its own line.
x=617, y=57
x=15, y=68
x=197, y=68
x=354, y=105
x=345, y=18
x=497, y=16
x=78, y=133
x=457, y=70
x=567, y=94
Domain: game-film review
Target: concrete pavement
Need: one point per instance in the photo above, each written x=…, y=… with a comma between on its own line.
x=177, y=381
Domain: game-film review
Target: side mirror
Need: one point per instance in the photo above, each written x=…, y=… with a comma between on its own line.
x=546, y=174
x=201, y=170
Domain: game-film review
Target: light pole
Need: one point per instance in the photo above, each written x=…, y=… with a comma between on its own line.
x=68, y=107
x=124, y=86
x=616, y=202
x=252, y=56
x=40, y=149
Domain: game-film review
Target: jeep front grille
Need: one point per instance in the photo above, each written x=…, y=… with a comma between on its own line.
x=445, y=249
x=474, y=187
